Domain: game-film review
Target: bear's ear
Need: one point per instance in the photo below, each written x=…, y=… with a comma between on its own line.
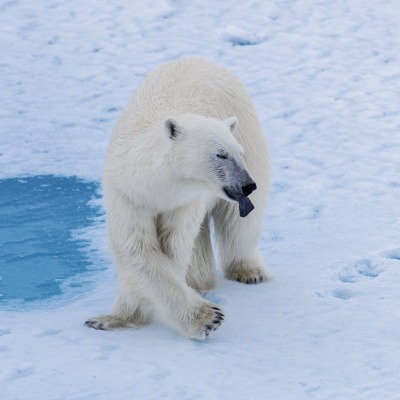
x=232, y=124
x=173, y=127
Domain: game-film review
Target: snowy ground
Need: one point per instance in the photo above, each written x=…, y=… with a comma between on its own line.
x=325, y=76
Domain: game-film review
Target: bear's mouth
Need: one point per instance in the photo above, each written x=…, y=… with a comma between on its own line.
x=245, y=204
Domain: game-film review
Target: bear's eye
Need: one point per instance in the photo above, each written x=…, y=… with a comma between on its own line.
x=222, y=155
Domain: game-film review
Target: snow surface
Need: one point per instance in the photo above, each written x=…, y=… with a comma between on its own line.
x=325, y=78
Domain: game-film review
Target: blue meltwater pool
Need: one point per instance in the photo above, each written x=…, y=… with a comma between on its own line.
x=39, y=249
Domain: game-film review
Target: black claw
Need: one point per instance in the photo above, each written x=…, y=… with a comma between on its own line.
x=216, y=308
x=90, y=324
x=219, y=314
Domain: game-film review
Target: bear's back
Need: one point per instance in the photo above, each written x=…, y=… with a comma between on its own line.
x=188, y=85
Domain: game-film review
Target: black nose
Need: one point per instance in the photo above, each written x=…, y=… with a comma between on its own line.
x=249, y=188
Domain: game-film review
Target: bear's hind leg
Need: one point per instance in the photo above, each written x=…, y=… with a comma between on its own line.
x=237, y=240
x=249, y=270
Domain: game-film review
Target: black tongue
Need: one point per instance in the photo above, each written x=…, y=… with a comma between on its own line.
x=245, y=206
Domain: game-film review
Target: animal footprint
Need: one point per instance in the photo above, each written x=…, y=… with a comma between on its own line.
x=344, y=294
x=362, y=273
x=393, y=254
x=356, y=273
x=360, y=270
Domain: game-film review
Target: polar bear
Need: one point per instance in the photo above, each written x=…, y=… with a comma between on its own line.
x=187, y=152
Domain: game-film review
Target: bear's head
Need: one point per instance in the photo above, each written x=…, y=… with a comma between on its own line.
x=207, y=154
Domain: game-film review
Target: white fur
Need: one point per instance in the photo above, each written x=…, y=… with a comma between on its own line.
x=161, y=190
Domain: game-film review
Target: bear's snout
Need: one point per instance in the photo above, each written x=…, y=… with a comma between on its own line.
x=249, y=188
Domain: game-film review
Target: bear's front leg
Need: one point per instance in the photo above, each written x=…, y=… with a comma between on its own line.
x=152, y=281
x=184, y=236
x=183, y=308
x=168, y=295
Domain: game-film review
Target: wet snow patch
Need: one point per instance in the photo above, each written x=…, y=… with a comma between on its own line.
x=43, y=245
x=239, y=36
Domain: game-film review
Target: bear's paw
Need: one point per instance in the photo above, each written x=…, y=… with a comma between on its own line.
x=208, y=318
x=109, y=323
x=250, y=274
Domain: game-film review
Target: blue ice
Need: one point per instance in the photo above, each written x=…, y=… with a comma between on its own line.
x=37, y=250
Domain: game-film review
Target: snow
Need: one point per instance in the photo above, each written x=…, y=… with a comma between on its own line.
x=325, y=78
x=239, y=36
